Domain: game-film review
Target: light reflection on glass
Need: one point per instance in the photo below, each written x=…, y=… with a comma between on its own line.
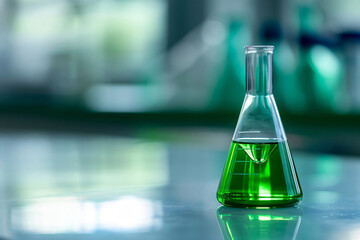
x=128, y=214
x=58, y=165
x=328, y=171
x=72, y=215
x=259, y=223
x=325, y=197
x=352, y=234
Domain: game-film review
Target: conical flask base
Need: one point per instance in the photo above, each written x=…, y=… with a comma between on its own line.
x=259, y=153
x=259, y=175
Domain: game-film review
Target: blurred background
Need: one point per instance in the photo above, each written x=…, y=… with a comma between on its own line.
x=116, y=115
x=70, y=64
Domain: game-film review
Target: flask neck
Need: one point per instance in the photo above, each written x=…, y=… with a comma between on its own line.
x=259, y=70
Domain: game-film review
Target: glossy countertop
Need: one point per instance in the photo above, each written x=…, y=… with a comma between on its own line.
x=155, y=184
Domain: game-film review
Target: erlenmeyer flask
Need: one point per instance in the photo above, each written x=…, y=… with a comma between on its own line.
x=259, y=171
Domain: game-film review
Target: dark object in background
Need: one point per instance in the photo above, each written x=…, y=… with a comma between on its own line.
x=350, y=44
x=184, y=16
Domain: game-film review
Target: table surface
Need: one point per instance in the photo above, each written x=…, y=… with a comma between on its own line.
x=158, y=185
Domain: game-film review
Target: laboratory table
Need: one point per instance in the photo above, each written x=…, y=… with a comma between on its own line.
x=158, y=185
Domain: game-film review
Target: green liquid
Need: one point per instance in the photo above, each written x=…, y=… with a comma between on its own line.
x=259, y=175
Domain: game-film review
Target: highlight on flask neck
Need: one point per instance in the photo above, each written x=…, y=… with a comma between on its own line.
x=259, y=69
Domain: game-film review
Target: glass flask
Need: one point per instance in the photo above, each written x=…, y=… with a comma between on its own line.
x=279, y=223
x=259, y=170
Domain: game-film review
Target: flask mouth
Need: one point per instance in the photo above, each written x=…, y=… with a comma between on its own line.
x=259, y=48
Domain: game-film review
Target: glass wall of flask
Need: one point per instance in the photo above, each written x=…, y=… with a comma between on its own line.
x=259, y=171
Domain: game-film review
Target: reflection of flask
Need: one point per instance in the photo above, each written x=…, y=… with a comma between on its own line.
x=259, y=170
x=259, y=223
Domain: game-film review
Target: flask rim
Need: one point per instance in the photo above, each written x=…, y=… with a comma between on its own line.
x=257, y=48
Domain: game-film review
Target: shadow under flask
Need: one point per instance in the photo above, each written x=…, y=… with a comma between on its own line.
x=259, y=170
